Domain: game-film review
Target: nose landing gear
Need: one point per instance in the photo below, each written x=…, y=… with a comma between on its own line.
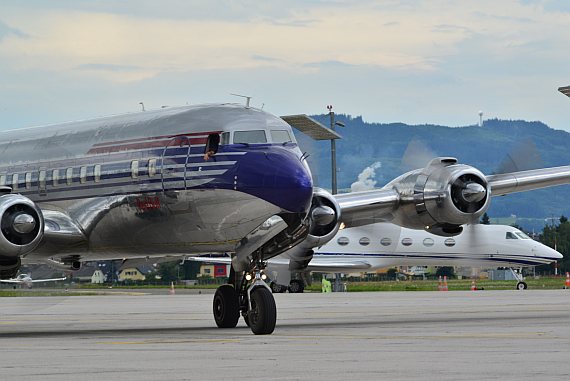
x=251, y=296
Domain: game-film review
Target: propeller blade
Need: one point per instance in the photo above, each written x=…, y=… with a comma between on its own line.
x=522, y=157
x=417, y=155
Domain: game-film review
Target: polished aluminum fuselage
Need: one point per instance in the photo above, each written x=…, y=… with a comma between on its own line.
x=138, y=185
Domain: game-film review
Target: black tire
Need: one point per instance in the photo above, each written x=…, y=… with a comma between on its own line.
x=263, y=314
x=522, y=286
x=276, y=288
x=296, y=286
x=226, y=306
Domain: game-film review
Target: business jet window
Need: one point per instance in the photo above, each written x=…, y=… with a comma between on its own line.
x=249, y=137
x=511, y=235
x=522, y=235
x=280, y=136
x=2, y=180
x=449, y=242
x=385, y=241
x=342, y=241
x=407, y=242
x=364, y=241
x=428, y=242
x=15, y=181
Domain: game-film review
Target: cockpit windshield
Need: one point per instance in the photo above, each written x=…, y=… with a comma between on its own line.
x=250, y=137
x=280, y=136
x=523, y=235
x=511, y=236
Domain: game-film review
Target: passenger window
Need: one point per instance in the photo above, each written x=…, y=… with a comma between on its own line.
x=511, y=236
x=407, y=242
x=364, y=241
x=55, y=177
x=2, y=180
x=280, y=136
x=429, y=242
x=212, y=145
x=69, y=176
x=385, y=241
x=97, y=173
x=449, y=242
x=342, y=241
x=151, y=167
x=42, y=180
x=15, y=181
x=247, y=137
x=134, y=169
x=28, y=180
x=83, y=175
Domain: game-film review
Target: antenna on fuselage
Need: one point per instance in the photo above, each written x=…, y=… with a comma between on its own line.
x=142, y=104
x=247, y=98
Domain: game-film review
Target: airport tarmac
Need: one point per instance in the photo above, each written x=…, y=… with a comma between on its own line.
x=506, y=335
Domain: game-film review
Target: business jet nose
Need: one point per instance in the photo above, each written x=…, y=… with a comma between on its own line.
x=549, y=253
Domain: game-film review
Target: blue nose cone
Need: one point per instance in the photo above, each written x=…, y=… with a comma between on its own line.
x=278, y=176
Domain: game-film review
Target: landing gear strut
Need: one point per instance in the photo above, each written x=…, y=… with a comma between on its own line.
x=521, y=284
x=250, y=295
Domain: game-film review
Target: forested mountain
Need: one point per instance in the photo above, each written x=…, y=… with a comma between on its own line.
x=529, y=144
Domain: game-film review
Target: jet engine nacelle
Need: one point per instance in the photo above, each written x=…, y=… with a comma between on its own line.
x=441, y=197
x=324, y=222
x=21, y=225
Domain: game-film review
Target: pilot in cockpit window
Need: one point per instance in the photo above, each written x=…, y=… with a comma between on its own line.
x=212, y=146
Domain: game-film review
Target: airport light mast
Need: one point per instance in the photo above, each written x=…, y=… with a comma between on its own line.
x=334, y=187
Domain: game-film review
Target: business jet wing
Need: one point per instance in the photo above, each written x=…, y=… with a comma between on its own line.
x=316, y=264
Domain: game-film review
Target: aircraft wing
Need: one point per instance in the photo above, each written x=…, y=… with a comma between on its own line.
x=13, y=281
x=316, y=264
x=366, y=207
x=340, y=266
x=528, y=180
x=47, y=280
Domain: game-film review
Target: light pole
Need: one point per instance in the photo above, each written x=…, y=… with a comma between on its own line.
x=334, y=188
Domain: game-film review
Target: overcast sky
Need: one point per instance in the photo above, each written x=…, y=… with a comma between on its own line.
x=432, y=61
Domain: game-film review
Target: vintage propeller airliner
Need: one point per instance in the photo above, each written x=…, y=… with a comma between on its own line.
x=208, y=179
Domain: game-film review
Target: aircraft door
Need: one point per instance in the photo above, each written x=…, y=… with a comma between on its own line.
x=173, y=166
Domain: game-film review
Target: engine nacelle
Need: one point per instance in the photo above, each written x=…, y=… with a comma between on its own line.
x=21, y=225
x=441, y=197
x=324, y=218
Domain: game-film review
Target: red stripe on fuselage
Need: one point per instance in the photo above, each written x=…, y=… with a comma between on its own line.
x=156, y=138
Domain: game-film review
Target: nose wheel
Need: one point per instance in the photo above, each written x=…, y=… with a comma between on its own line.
x=252, y=297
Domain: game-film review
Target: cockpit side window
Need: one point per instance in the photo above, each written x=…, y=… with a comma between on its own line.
x=280, y=136
x=249, y=137
x=511, y=236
